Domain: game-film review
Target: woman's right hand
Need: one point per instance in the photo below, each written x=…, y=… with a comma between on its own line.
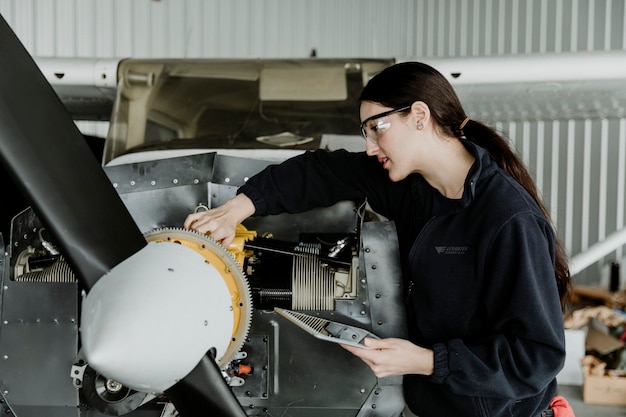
x=221, y=223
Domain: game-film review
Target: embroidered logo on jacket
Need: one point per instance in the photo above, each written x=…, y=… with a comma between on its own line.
x=451, y=250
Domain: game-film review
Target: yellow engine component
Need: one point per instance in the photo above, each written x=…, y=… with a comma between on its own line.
x=242, y=235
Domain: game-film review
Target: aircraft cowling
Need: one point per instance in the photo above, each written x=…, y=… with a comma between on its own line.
x=47, y=157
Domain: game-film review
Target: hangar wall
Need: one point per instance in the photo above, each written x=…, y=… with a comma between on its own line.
x=292, y=28
x=579, y=164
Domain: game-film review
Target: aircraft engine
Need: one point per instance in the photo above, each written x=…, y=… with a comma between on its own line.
x=319, y=273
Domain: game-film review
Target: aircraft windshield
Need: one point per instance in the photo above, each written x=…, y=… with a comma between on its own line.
x=236, y=104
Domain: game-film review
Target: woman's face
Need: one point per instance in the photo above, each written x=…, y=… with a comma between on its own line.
x=390, y=138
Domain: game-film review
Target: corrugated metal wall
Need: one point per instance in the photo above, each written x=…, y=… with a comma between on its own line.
x=579, y=164
x=292, y=28
x=211, y=28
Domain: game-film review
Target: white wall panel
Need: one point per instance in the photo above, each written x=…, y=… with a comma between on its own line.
x=291, y=28
x=210, y=28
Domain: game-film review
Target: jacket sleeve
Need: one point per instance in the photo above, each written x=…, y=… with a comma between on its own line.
x=526, y=348
x=315, y=179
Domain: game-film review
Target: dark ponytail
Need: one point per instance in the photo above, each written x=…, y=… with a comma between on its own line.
x=404, y=83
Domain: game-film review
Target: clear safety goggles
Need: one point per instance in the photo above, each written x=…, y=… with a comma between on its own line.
x=373, y=127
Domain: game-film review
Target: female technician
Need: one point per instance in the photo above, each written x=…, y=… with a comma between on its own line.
x=485, y=276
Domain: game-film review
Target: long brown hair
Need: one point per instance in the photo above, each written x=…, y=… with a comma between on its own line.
x=404, y=83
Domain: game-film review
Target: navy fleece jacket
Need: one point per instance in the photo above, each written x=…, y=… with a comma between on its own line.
x=478, y=272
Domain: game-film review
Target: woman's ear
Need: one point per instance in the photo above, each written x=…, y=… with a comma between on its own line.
x=421, y=114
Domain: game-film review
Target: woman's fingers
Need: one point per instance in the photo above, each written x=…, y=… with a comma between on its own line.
x=212, y=224
x=391, y=356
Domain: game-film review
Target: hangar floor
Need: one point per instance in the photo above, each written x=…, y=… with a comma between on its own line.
x=574, y=393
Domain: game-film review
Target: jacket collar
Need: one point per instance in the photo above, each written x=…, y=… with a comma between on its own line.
x=482, y=168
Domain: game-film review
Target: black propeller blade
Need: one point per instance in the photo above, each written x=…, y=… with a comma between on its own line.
x=48, y=158
x=191, y=398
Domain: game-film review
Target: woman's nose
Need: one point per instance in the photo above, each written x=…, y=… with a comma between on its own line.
x=371, y=148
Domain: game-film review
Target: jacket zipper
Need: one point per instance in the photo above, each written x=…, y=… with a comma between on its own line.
x=415, y=242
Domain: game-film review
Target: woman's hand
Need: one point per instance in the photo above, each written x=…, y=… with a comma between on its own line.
x=389, y=357
x=221, y=223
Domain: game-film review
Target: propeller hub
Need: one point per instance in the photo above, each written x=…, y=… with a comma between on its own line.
x=152, y=318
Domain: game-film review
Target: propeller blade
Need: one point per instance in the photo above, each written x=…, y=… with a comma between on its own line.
x=49, y=160
x=203, y=392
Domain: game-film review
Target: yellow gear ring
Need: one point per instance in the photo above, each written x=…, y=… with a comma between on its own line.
x=231, y=272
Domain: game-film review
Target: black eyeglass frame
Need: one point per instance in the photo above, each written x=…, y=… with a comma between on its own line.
x=380, y=116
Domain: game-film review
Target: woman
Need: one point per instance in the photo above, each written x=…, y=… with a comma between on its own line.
x=486, y=278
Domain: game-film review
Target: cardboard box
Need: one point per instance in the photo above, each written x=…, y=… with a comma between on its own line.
x=601, y=350
x=605, y=390
x=601, y=387
x=599, y=340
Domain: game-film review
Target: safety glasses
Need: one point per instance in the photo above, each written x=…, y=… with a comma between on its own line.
x=373, y=127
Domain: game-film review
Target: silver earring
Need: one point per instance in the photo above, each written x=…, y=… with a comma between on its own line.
x=420, y=126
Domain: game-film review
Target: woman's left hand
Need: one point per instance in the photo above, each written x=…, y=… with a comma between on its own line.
x=391, y=356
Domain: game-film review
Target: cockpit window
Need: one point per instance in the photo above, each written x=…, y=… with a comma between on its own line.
x=236, y=104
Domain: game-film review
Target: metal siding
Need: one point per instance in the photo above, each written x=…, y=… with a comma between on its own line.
x=579, y=165
x=212, y=28
x=291, y=28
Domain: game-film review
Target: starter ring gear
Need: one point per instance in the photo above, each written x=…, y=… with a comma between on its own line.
x=231, y=272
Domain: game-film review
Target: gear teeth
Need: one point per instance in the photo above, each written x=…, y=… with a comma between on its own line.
x=243, y=286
